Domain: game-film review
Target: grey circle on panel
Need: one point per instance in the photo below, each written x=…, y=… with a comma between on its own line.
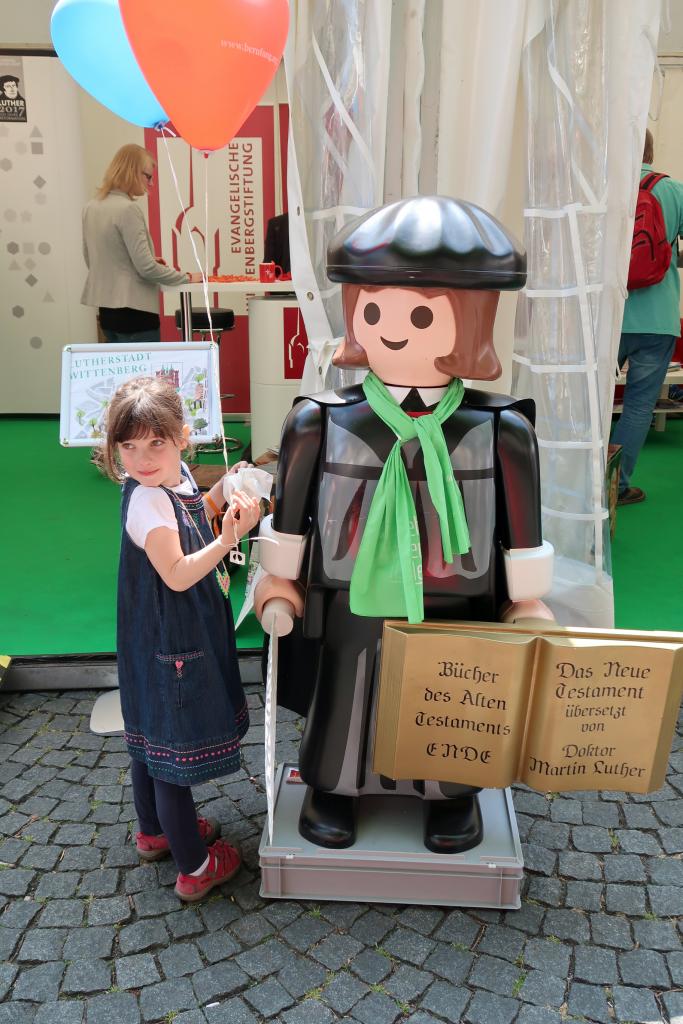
x=17, y=311
x=36, y=342
x=5, y=164
x=45, y=248
x=12, y=247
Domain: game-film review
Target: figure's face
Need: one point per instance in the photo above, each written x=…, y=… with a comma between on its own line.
x=403, y=332
x=11, y=90
x=152, y=461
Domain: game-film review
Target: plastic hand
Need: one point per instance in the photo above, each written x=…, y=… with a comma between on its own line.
x=527, y=613
x=271, y=587
x=194, y=277
x=242, y=515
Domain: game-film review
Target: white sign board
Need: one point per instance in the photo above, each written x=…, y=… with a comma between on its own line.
x=92, y=373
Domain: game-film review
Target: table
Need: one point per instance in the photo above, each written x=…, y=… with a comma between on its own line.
x=660, y=414
x=220, y=287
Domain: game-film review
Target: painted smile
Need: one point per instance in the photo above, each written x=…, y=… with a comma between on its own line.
x=394, y=345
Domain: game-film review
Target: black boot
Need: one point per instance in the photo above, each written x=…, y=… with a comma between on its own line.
x=328, y=819
x=453, y=825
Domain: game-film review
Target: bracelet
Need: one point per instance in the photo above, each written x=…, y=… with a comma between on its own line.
x=236, y=542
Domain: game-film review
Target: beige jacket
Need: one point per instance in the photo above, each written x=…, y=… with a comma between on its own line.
x=119, y=256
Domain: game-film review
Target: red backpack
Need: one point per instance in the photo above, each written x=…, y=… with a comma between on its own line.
x=650, y=248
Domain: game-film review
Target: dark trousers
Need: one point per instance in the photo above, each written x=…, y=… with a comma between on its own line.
x=164, y=807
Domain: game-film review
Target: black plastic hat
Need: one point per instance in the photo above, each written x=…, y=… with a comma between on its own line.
x=428, y=241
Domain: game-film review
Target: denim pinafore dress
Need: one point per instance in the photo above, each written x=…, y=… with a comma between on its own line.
x=184, y=709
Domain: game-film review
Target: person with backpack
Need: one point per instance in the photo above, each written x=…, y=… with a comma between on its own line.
x=652, y=316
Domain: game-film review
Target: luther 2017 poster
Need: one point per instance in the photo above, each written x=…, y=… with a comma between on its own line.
x=12, y=101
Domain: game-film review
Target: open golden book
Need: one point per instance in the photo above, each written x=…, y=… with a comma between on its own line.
x=489, y=704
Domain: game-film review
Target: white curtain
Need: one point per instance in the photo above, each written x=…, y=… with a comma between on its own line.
x=535, y=110
x=337, y=67
x=588, y=76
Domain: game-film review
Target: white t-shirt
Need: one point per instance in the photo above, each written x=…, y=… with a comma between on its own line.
x=150, y=507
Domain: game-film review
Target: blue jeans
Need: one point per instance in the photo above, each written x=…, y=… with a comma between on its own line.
x=135, y=338
x=648, y=357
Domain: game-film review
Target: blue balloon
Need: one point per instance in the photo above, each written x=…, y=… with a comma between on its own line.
x=92, y=44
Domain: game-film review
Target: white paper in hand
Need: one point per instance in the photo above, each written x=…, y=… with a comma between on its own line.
x=257, y=483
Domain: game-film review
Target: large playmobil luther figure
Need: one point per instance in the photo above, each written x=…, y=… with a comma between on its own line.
x=407, y=495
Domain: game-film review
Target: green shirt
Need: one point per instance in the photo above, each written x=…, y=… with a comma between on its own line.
x=656, y=310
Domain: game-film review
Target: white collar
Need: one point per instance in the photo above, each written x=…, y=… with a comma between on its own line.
x=430, y=396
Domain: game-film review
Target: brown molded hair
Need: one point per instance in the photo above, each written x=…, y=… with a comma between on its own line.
x=141, y=406
x=474, y=312
x=125, y=171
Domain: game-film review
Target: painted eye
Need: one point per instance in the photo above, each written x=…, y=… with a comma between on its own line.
x=371, y=313
x=421, y=317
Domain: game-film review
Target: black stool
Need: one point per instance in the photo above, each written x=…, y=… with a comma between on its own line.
x=221, y=320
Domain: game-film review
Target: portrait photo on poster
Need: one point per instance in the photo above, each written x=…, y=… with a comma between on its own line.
x=12, y=90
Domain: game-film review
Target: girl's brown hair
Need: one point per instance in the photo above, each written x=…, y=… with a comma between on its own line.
x=141, y=406
x=472, y=356
x=125, y=171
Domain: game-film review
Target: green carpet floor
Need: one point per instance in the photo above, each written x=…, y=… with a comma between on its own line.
x=60, y=538
x=648, y=592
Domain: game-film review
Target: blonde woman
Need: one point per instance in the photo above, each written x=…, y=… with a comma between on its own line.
x=123, y=273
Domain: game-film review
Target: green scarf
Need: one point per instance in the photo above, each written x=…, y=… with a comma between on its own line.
x=391, y=532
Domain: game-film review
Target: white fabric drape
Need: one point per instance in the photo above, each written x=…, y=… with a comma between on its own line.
x=337, y=67
x=535, y=110
x=588, y=77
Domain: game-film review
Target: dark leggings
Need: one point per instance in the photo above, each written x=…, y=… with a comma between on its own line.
x=163, y=807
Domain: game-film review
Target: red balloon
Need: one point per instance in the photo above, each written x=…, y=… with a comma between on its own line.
x=208, y=62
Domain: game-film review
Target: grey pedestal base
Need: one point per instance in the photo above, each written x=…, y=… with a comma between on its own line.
x=389, y=862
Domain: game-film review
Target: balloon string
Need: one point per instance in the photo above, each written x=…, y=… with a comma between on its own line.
x=191, y=236
x=202, y=271
x=205, y=278
x=208, y=311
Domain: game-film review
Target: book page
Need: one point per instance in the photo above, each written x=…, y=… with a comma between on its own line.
x=462, y=704
x=597, y=715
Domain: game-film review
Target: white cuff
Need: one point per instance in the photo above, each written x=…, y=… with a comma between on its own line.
x=283, y=558
x=529, y=571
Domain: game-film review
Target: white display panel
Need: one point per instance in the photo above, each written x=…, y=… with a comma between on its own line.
x=92, y=373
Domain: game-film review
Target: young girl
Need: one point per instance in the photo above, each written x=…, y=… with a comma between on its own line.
x=182, y=700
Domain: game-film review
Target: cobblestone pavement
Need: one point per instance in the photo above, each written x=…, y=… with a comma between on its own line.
x=88, y=935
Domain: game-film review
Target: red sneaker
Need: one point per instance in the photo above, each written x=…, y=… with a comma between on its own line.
x=224, y=862
x=156, y=847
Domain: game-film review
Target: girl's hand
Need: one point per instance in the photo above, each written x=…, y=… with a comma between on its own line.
x=238, y=466
x=194, y=277
x=242, y=515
